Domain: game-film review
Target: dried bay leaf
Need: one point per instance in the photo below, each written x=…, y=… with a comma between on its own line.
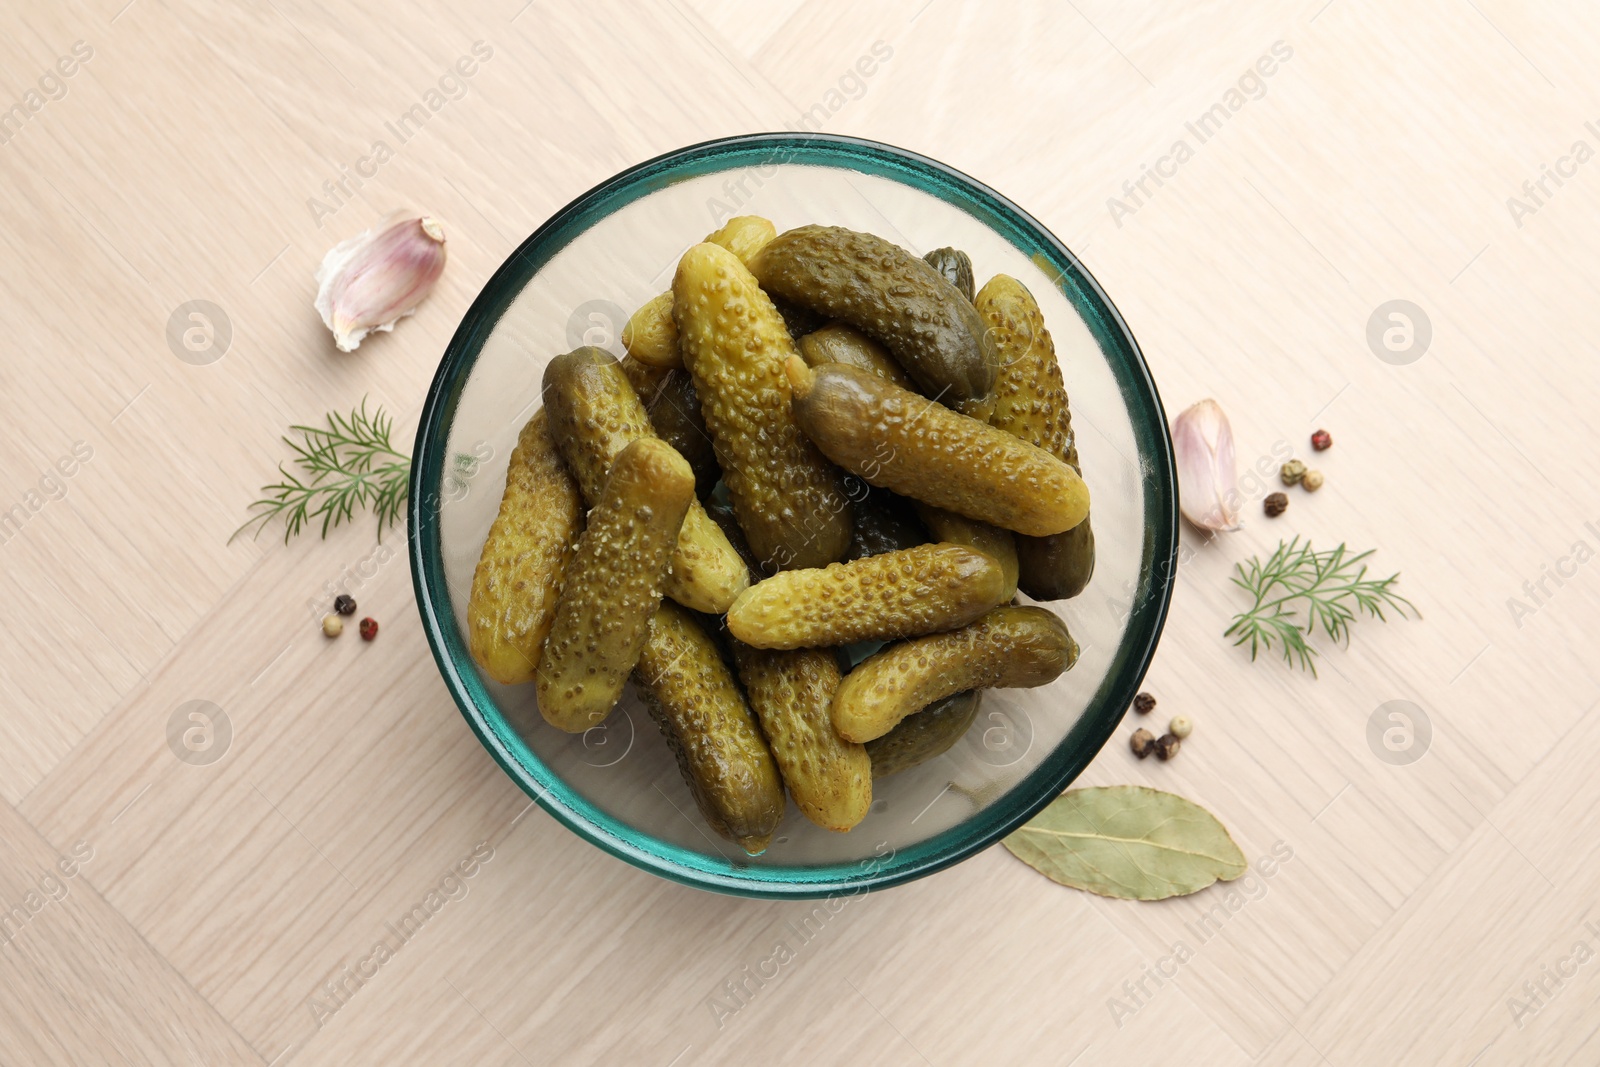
x=1128, y=841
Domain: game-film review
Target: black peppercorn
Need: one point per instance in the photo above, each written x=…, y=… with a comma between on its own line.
x=1167, y=746
x=344, y=604
x=1275, y=504
x=1143, y=742
x=1143, y=703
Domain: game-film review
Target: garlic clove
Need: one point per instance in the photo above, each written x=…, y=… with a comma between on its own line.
x=378, y=277
x=1208, y=477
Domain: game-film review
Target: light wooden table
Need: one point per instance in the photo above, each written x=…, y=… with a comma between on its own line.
x=209, y=903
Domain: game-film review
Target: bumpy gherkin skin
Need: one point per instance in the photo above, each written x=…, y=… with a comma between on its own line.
x=788, y=497
x=518, y=579
x=839, y=343
x=898, y=440
x=958, y=529
x=1010, y=647
x=924, y=735
x=829, y=778
x=613, y=585
x=893, y=297
x=651, y=336
x=595, y=414
x=694, y=699
x=1031, y=402
x=954, y=266
x=896, y=594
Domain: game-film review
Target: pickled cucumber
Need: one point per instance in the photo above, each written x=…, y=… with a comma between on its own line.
x=958, y=529
x=1031, y=402
x=695, y=701
x=613, y=585
x=838, y=343
x=898, y=440
x=518, y=578
x=897, y=594
x=792, y=692
x=924, y=735
x=954, y=267
x=594, y=414
x=1012, y=647
x=892, y=296
x=651, y=335
x=675, y=414
x=882, y=523
x=788, y=497
x=645, y=379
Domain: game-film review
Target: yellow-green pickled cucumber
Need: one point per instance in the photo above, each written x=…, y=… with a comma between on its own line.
x=892, y=296
x=1010, y=647
x=958, y=529
x=954, y=266
x=697, y=704
x=1031, y=403
x=924, y=735
x=595, y=414
x=789, y=498
x=896, y=594
x=898, y=440
x=518, y=579
x=838, y=343
x=651, y=336
x=792, y=692
x=613, y=585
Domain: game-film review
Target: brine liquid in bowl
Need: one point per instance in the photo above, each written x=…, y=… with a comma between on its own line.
x=620, y=775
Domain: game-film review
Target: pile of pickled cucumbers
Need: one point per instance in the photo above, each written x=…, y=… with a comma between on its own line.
x=816, y=440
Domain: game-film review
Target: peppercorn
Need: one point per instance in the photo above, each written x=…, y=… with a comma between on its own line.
x=1312, y=480
x=369, y=628
x=1143, y=742
x=1167, y=746
x=332, y=626
x=1180, y=727
x=1143, y=703
x=1292, y=471
x=1275, y=504
x=344, y=604
x=1322, y=440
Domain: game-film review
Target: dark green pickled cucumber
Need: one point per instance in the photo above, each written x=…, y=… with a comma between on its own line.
x=921, y=449
x=798, y=321
x=894, y=298
x=925, y=735
x=1031, y=403
x=884, y=522
x=694, y=699
x=675, y=414
x=613, y=585
x=954, y=266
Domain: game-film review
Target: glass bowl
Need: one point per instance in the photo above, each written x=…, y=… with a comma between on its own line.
x=574, y=282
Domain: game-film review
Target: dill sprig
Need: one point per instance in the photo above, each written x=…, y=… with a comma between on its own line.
x=1329, y=587
x=345, y=465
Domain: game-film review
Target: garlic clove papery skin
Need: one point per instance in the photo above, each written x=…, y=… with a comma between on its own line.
x=1202, y=442
x=378, y=277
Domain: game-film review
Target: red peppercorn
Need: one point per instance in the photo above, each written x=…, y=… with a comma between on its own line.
x=369, y=628
x=1321, y=440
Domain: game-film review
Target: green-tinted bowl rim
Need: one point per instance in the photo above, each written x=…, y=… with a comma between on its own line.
x=1147, y=613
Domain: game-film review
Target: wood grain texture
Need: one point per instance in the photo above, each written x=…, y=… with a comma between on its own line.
x=1428, y=913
